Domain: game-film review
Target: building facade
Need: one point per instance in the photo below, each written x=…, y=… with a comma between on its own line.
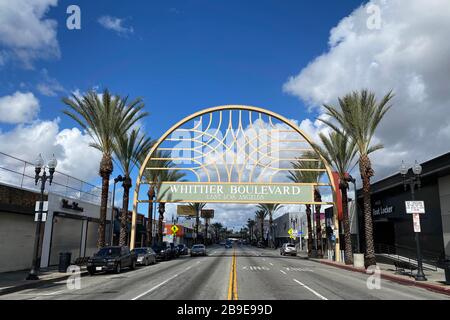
x=71, y=223
x=290, y=220
x=393, y=227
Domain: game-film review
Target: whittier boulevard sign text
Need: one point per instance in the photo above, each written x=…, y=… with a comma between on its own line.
x=235, y=192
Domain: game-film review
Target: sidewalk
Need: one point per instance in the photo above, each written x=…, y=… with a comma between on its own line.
x=436, y=279
x=15, y=281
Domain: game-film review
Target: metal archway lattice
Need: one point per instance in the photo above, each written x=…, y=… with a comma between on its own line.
x=233, y=147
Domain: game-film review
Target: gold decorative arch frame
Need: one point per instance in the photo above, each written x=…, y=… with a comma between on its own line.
x=204, y=171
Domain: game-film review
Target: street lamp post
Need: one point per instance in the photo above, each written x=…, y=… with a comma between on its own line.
x=116, y=180
x=294, y=224
x=414, y=181
x=39, y=165
x=174, y=223
x=356, y=217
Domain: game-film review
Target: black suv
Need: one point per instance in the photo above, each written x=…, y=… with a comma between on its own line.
x=162, y=252
x=183, y=249
x=111, y=259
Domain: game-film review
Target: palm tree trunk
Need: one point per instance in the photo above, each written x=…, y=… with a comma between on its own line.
x=106, y=168
x=206, y=232
x=197, y=222
x=347, y=236
x=366, y=171
x=262, y=230
x=318, y=198
x=271, y=233
x=310, y=231
x=161, y=210
x=151, y=195
x=124, y=215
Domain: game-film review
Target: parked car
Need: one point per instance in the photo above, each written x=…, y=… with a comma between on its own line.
x=260, y=245
x=228, y=244
x=111, y=259
x=288, y=248
x=162, y=253
x=198, y=250
x=175, y=250
x=145, y=256
x=183, y=249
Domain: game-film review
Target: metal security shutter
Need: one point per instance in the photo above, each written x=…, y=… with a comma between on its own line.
x=66, y=237
x=16, y=241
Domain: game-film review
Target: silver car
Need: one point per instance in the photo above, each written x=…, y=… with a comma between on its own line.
x=145, y=256
x=288, y=248
x=198, y=250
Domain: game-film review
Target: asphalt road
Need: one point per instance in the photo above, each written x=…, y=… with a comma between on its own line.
x=252, y=274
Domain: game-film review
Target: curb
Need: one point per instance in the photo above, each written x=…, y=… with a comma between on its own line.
x=36, y=284
x=408, y=282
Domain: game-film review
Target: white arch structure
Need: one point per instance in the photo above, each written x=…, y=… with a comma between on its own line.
x=261, y=172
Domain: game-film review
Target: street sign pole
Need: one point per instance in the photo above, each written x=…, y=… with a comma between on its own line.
x=416, y=208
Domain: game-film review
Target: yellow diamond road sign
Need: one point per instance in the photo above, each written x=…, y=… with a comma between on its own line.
x=291, y=233
x=174, y=229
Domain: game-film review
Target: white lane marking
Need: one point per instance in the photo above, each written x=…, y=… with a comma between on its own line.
x=271, y=263
x=155, y=287
x=312, y=290
x=50, y=293
x=162, y=283
x=283, y=272
x=264, y=259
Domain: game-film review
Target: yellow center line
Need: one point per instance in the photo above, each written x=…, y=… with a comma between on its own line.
x=232, y=283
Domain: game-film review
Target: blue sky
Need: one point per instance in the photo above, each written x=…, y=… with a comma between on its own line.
x=183, y=56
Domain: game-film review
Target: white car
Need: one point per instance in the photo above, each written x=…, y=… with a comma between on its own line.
x=288, y=248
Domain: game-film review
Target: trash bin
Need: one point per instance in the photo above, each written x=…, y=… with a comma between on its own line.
x=447, y=271
x=64, y=261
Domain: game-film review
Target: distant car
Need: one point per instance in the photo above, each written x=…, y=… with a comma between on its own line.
x=222, y=243
x=111, y=259
x=145, y=256
x=162, y=253
x=228, y=245
x=260, y=245
x=183, y=249
x=288, y=248
x=198, y=250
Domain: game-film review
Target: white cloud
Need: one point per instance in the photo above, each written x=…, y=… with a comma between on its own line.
x=18, y=108
x=70, y=146
x=408, y=54
x=25, y=33
x=115, y=24
x=49, y=86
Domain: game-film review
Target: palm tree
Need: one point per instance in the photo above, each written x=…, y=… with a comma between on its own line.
x=165, y=176
x=103, y=118
x=197, y=207
x=299, y=176
x=151, y=176
x=251, y=224
x=261, y=216
x=340, y=151
x=128, y=149
x=359, y=116
x=217, y=227
x=270, y=208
